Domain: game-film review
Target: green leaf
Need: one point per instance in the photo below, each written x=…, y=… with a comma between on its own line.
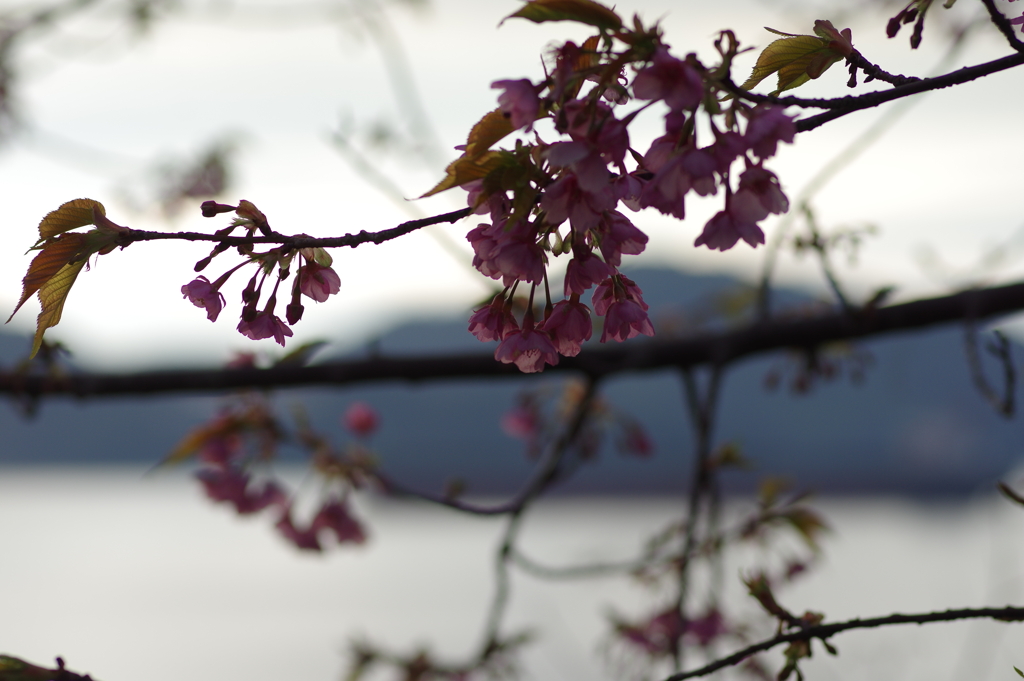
x=800, y=58
x=488, y=130
x=582, y=11
x=71, y=215
x=300, y=356
x=465, y=169
x=54, y=256
x=51, y=297
x=1018, y=671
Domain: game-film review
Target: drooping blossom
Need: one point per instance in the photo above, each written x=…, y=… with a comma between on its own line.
x=658, y=636
x=595, y=124
x=569, y=326
x=318, y=282
x=306, y=539
x=584, y=270
x=619, y=300
x=768, y=126
x=232, y=486
x=508, y=253
x=707, y=627
x=361, y=419
x=335, y=517
x=763, y=185
x=492, y=321
x=265, y=325
x=565, y=199
x=618, y=237
x=201, y=293
x=521, y=422
x=737, y=221
x=677, y=82
x=518, y=102
x=625, y=319
x=529, y=349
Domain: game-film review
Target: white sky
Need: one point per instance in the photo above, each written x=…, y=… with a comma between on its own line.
x=945, y=176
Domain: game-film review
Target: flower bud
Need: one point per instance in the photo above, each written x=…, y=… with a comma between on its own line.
x=201, y=265
x=293, y=312
x=212, y=208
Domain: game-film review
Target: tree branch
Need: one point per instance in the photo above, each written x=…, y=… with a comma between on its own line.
x=824, y=631
x=130, y=236
x=1003, y=24
x=803, y=333
x=845, y=105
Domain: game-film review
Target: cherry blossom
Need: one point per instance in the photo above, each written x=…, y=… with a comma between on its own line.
x=518, y=102
x=335, y=517
x=528, y=348
x=318, y=282
x=265, y=325
x=676, y=82
x=232, y=485
x=491, y=322
x=768, y=126
x=361, y=419
x=569, y=326
x=201, y=293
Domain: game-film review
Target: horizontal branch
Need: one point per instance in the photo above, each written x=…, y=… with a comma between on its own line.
x=130, y=236
x=803, y=333
x=841, y=106
x=824, y=631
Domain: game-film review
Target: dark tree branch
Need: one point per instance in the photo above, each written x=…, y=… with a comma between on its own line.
x=1003, y=24
x=824, y=631
x=801, y=333
x=876, y=72
x=130, y=236
x=846, y=105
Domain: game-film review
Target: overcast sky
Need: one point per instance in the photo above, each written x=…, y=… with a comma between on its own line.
x=945, y=177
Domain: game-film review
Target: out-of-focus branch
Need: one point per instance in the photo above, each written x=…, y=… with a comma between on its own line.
x=824, y=631
x=801, y=333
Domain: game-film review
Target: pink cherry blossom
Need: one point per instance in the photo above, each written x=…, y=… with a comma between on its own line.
x=625, y=319
x=595, y=124
x=232, y=485
x=521, y=422
x=361, y=419
x=508, y=253
x=729, y=226
x=491, y=322
x=335, y=516
x=764, y=186
x=265, y=325
x=675, y=81
x=768, y=126
x=569, y=326
x=584, y=270
x=304, y=539
x=318, y=282
x=619, y=236
x=201, y=293
x=529, y=349
x=518, y=102
x=618, y=287
x=565, y=199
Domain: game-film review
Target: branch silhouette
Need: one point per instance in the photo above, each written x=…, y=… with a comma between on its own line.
x=803, y=333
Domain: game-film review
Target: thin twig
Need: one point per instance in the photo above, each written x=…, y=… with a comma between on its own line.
x=1003, y=24
x=824, y=631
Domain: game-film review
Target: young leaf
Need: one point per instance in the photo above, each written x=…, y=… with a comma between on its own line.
x=488, y=130
x=800, y=58
x=71, y=215
x=465, y=169
x=1018, y=671
x=583, y=11
x=51, y=297
x=50, y=260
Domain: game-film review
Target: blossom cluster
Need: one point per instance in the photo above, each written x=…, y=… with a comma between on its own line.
x=549, y=198
x=314, y=278
x=243, y=437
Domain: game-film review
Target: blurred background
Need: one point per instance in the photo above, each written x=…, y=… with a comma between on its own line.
x=331, y=117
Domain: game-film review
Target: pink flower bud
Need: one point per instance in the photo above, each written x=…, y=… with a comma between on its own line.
x=361, y=419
